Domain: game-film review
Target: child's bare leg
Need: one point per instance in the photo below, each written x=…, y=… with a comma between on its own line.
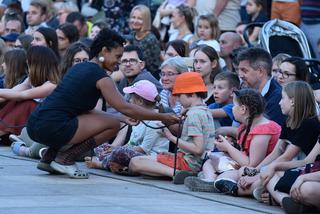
x=278, y=196
x=93, y=162
x=148, y=165
x=310, y=191
x=209, y=174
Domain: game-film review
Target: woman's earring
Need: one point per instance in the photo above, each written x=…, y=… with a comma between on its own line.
x=101, y=59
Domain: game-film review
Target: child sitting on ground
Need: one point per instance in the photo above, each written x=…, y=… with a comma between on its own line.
x=257, y=137
x=197, y=135
x=298, y=137
x=143, y=140
x=22, y=99
x=223, y=86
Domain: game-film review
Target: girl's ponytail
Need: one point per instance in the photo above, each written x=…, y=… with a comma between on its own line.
x=255, y=104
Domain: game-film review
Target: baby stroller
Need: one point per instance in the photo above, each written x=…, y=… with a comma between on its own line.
x=277, y=36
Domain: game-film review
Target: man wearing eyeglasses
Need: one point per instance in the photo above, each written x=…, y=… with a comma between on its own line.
x=133, y=68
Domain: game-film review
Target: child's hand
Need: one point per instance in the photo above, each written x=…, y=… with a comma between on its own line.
x=165, y=132
x=129, y=121
x=222, y=144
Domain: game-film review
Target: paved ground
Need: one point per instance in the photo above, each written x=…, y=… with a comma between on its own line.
x=24, y=189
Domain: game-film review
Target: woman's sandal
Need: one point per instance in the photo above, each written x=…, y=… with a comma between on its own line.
x=71, y=170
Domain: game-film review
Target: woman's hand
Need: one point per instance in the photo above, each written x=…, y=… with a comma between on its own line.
x=295, y=192
x=222, y=144
x=170, y=118
x=129, y=121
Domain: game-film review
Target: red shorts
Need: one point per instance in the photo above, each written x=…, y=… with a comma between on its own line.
x=168, y=160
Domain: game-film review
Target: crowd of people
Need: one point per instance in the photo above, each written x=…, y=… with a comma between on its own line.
x=164, y=88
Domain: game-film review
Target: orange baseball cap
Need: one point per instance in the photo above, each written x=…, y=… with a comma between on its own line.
x=189, y=82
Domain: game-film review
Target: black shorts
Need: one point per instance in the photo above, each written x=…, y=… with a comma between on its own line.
x=54, y=134
x=287, y=180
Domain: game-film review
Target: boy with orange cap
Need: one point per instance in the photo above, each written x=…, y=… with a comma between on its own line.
x=198, y=134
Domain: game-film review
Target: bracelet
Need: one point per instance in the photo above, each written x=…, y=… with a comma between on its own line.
x=249, y=172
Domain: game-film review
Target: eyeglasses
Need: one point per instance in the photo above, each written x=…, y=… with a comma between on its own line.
x=169, y=74
x=129, y=61
x=78, y=60
x=284, y=74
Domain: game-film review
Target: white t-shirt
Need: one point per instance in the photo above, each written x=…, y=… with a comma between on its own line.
x=148, y=139
x=212, y=43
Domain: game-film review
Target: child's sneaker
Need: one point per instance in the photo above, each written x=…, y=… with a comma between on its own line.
x=196, y=184
x=226, y=186
x=181, y=175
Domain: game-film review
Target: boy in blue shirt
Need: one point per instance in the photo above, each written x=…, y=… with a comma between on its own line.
x=223, y=86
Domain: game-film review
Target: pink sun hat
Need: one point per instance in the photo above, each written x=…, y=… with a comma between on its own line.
x=144, y=88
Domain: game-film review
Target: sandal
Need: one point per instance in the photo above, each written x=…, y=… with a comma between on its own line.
x=257, y=192
x=71, y=170
x=15, y=147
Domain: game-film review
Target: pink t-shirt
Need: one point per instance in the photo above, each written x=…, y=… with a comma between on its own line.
x=270, y=128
